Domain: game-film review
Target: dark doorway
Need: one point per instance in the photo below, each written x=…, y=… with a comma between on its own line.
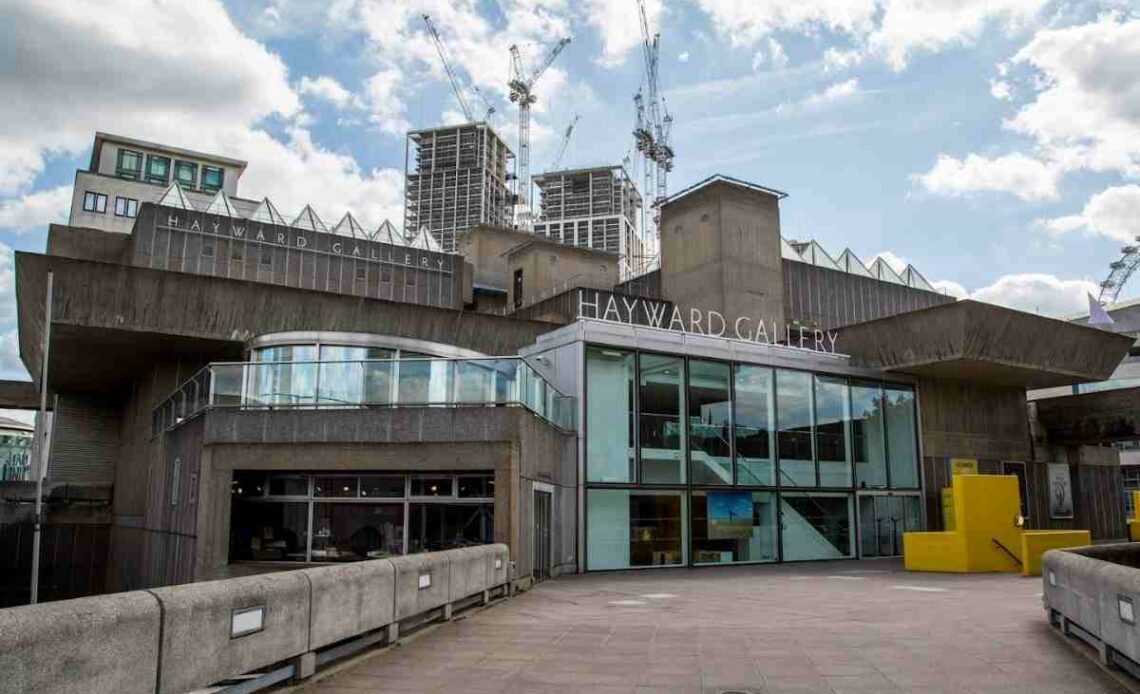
x=542, y=561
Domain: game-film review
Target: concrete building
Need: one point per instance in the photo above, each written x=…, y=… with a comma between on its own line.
x=125, y=172
x=594, y=208
x=456, y=178
x=723, y=409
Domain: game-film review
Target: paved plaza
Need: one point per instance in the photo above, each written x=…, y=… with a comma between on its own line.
x=821, y=627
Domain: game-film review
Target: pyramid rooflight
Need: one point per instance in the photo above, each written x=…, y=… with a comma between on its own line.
x=881, y=270
x=850, y=263
x=788, y=251
x=815, y=255
x=348, y=226
x=267, y=213
x=175, y=197
x=309, y=220
x=915, y=279
x=387, y=233
x=222, y=206
x=423, y=240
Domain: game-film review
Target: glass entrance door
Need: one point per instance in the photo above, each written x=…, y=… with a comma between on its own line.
x=883, y=518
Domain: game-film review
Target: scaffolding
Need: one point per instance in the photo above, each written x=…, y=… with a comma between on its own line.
x=456, y=179
x=594, y=208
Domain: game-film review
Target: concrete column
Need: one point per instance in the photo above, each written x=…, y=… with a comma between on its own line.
x=447, y=612
x=393, y=633
x=304, y=666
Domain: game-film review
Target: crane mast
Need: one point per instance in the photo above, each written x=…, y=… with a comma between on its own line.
x=565, y=141
x=521, y=84
x=456, y=83
x=652, y=137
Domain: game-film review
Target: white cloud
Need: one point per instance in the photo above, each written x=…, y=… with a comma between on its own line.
x=908, y=26
x=11, y=367
x=1001, y=90
x=1038, y=293
x=834, y=92
x=38, y=209
x=1021, y=175
x=835, y=60
x=774, y=56
x=683, y=57
x=951, y=288
x=384, y=104
x=1086, y=113
x=746, y=22
x=617, y=23
x=1113, y=213
x=328, y=89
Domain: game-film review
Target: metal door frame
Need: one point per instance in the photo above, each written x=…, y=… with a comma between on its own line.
x=871, y=493
x=542, y=533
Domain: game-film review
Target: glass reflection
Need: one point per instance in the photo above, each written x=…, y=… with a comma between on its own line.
x=867, y=442
x=662, y=434
x=831, y=417
x=709, y=423
x=350, y=380
x=794, y=440
x=627, y=528
x=610, y=454
x=902, y=454
x=819, y=525
x=753, y=419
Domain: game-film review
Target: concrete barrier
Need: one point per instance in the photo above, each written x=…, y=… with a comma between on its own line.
x=199, y=643
x=423, y=582
x=1088, y=593
x=100, y=644
x=350, y=599
x=180, y=638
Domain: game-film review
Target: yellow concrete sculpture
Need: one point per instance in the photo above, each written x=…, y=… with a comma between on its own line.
x=985, y=535
x=1134, y=523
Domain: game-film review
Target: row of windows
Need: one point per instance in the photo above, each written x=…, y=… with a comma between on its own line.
x=97, y=203
x=265, y=258
x=660, y=419
x=158, y=168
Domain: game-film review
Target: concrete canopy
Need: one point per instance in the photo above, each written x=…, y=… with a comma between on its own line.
x=983, y=343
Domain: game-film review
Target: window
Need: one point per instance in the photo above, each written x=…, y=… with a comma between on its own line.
x=731, y=527
x=431, y=486
x=710, y=425
x=902, y=435
x=126, y=207
x=753, y=419
x=186, y=173
x=128, y=164
x=236, y=252
x=207, y=248
x=832, y=413
x=157, y=169
x=518, y=288
x=356, y=375
x=626, y=527
x=94, y=202
x=794, y=441
x=212, y=179
x=868, y=447
x=817, y=525
x=361, y=274
x=661, y=418
x=610, y=446
x=267, y=258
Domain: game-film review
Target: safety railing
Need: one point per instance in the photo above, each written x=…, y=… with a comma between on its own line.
x=367, y=383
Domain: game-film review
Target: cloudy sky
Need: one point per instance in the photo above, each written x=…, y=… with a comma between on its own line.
x=995, y=144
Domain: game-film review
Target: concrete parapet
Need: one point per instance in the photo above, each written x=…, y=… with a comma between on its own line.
x=199, y=644
x=89, y=646
x=1086, y=588
x=422, y=582
x=469, y=573
x=498, y=565
x=350, y=599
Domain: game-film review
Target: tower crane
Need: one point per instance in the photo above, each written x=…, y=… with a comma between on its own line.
x=653, y=135
x=565, y=141
x=456, y=84
x=521, y=83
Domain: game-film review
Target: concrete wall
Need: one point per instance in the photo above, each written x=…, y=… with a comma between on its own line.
x=485, y=247
x=1094, y=418
x=178, y=639
x=720, y=251
x=551, y=268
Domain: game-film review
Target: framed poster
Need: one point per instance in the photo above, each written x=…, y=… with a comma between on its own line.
x=963, y=466
x=730, y=515
x=1060, y=491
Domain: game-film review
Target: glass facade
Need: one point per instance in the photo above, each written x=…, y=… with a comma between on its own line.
x=352, y=517
x=765, y=466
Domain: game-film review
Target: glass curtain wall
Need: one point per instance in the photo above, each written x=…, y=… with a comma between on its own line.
x=708, y=462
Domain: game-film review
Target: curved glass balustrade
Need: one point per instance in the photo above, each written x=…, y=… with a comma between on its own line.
x=367, y=383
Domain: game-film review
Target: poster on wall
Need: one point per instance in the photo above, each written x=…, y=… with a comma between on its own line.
x=730, y=515
x=1060, y=491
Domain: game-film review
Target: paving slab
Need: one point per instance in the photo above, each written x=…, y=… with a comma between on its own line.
x=827, y=627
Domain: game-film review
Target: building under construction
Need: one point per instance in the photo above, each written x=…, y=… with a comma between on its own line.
x=457, y=178
x=593, y=208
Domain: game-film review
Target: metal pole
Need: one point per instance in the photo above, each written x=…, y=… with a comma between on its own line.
x=43, y=444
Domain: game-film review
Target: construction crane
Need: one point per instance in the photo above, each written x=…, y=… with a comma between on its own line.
x=565, y=141
x=521, y=83
x=456, y=84
x=652, y=134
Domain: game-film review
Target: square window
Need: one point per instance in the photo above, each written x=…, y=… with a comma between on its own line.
x=126, y=207
x=129, y=164
x=186, y=173
x=267, y=258
x=212, y=179
x=157, y=169
x=207, y=249
x=94, y=202
x=361, y=273
x=431, y=486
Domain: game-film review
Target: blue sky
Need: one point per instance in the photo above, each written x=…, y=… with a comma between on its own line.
x=994, y=144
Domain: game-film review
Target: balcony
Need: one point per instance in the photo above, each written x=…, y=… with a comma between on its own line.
x=428, y=382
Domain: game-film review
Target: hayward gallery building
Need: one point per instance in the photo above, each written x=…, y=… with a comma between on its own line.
x=242, y=393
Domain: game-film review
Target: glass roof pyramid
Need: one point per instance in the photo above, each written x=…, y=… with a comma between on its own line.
x=880, y=270
x=850, y=263
x=425, y=241
x=175, y=197
x=267, y=213
x=815, y=255
x=348, y=226
x=915, y=279
x=309, y=220
x=387, y=233
x=221, y=205
x=788, y=251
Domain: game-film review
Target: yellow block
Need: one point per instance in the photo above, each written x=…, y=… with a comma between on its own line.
x=985, y=508
x=1034, y=543
x=1134, y=530
x=948, y=509
x=934, y=552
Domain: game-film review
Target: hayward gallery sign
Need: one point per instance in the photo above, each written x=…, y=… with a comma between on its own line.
x=634, y=310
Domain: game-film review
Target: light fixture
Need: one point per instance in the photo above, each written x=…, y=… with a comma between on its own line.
x=1124, y=605
x=1052, y=579
x=247, y=621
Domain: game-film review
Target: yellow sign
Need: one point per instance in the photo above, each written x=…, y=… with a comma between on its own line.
x=963, y=466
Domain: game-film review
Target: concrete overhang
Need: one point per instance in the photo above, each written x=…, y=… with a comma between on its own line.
x=1096, y=418
x=110, y=322
x=983, y=343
